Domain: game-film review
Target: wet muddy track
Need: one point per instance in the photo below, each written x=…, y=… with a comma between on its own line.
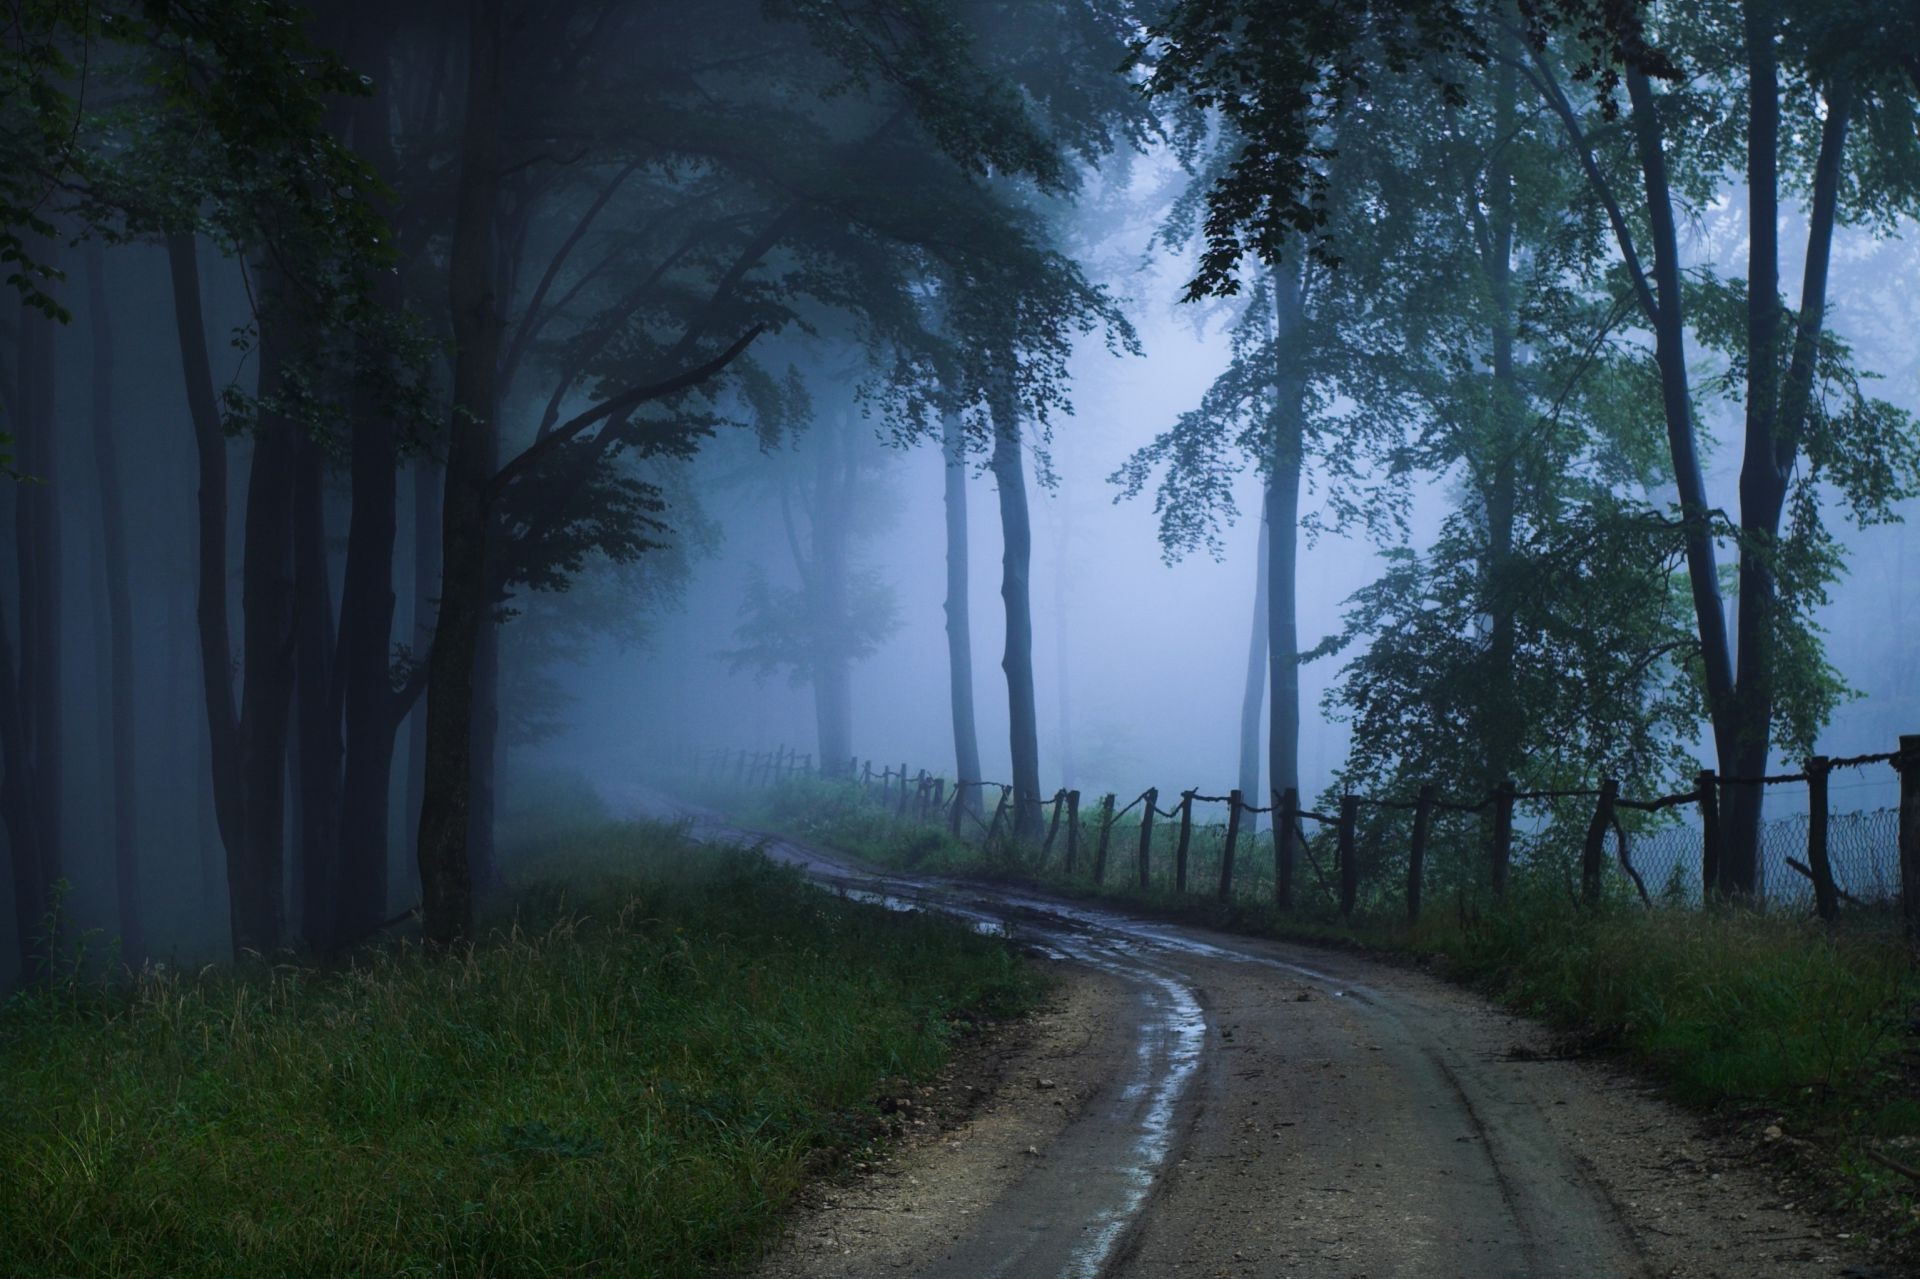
x=1269, y=1109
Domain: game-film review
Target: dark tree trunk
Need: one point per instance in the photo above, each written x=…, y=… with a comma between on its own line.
x=37, y=532
x=1283, y=533
x=18, y=813
x=446, y=885
x=368, y=705
x=216, y=645
x=827, y=578
x=1016, y=531
x=484, y=807
x=317, y=706
x=966, y=741
x=267, y=596
x=429, y=482
x=1253, y=699
x=113, y=543
x=1503, y=726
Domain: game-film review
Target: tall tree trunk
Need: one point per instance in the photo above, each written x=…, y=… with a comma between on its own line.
x=317, y=757
x=113, y=541
x=465, y=599
x=966, y=741
x=1253, y=700
x=1503, y=725
x=17, y=811
x=37, y=530
x=484, y=806
x=1016, y=531
x=1670, y=357
x=211, y=612
x=429, y=484
x=369, y=708
x=1284, y=470
x=833, y=681
x=267, y=596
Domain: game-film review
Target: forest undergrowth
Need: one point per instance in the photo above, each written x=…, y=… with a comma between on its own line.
x=1807, y=1036
x=655, y=1044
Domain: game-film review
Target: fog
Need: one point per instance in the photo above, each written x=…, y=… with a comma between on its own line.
x=540, y=407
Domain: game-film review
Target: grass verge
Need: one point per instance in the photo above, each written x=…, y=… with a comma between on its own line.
x=1764, y=1016
x=655, y=1044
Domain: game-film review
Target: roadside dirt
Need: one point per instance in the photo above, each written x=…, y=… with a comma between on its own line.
x=1225, y=1106
x=995, y=1110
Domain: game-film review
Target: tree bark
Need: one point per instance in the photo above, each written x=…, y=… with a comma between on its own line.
x=257, y=907
x=37, y=531
x=1283, y=531
x=966, y=741
x=1016, y=531
x=446, y=884
x=827, y=574
x=211, y=612
x=317, y=707
x=1253, y=699
x=429, y=483
x=113, y=543
x=1503, y=725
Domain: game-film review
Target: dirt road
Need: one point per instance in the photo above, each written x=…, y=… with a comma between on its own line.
x=1199, y=1104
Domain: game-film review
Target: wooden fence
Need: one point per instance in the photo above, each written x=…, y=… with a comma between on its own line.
x=926, y=797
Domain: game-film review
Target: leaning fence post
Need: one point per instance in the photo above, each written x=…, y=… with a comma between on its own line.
x=1709, y=796
x=1286, y=807
x=999, y=811
x=1349, y=868
x=1417, y=855
x=1819, y=859
x=1502, y=836
x=1073, y=829
x=900, y=810
x=1909, y=763
x=1186, y=840
x=1053, y=827
x=1106, y=832
x=1146, y=831
x=1593, y=854
x=959, y=803
x=866, y=775
x=1233, y=838
x=939, y=796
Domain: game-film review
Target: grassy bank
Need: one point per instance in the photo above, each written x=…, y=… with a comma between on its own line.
x=1766, y=1015
x=654, y=1046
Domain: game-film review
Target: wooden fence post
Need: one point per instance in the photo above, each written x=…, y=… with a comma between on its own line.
x=1286, y=809
x=1819, y=858
x=959, y=804
x=901, y=809
x=999, y=811
x=1349, y=868
x=1186, y=840
x=1593, y=854
x=939, y=796
x=1146, y=832
x=1073, y=829
x=1233, y=838
x=1709, y=796
x=1106, y=833
x=1910, y=832
x=1502, y=836
x=866, y=775
x=1417, y=855
x=1053, y=827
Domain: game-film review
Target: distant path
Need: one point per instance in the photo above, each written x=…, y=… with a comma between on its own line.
x=1236, y=1106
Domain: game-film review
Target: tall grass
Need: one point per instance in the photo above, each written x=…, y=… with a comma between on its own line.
x=630, y=1075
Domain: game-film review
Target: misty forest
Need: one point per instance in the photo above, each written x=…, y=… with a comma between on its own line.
x=811, y=637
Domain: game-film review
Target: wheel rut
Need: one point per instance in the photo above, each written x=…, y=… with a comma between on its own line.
x=1248, y=1107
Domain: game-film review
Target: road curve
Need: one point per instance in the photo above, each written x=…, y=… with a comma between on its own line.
x=1272, y=1109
